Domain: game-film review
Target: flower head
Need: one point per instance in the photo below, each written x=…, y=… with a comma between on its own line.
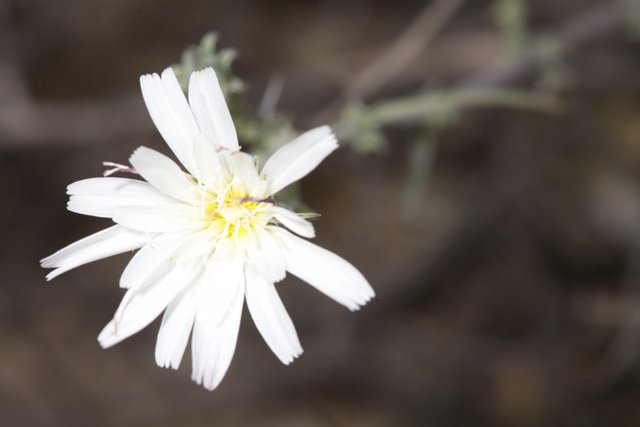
x=208, y=238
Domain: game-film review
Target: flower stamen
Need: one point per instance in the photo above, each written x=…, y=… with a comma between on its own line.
x=117, y=167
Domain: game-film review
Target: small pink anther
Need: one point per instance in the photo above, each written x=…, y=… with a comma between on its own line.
x=117, y=167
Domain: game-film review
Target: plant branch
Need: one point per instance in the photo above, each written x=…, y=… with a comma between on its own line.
x=576, y=32
x=418, y=107
x=404, y=49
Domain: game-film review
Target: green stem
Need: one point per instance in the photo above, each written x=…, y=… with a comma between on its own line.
x=421, y=106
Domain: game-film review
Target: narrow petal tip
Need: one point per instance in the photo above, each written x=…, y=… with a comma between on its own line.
x=108, y=335
x=293, y=357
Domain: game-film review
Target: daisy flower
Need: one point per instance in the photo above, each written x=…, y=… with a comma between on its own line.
x=208, y=238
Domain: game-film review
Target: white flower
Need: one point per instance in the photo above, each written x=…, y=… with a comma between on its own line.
x=208, y=238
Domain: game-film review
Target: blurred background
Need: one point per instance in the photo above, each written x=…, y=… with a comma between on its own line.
x=501, y=229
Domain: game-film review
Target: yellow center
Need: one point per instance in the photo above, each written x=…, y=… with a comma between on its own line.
x=233, y=214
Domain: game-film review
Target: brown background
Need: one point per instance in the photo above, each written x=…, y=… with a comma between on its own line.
x=509, y=299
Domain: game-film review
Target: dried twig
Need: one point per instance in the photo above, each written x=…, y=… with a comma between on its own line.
x=403, y=50
x=587, y=26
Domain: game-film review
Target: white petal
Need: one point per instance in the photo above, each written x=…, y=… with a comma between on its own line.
x=325, y=271
x=175, y=329
x=207, y=161
x=103, y=244
x=171, y=114
x=245, y=176
x=165, y=218
x=141, y=306
x=196, y=245
x=217, y=321
x=100, y=196
x=271, y=317
x=265, y=254
x=210, y=109
x=162, y=173
x=294, y=222
x=297, y=158
x=153, y=261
